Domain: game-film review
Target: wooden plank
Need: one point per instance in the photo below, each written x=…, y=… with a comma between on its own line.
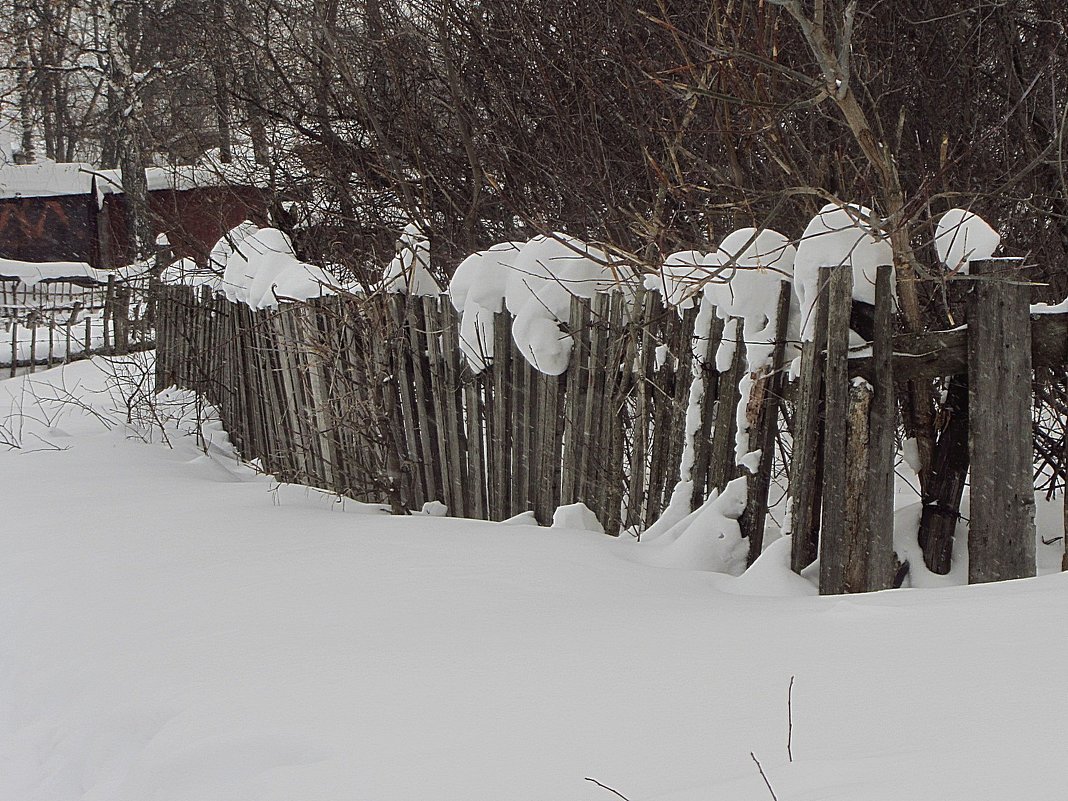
x=806, y=466
x=574, y=406
x=834, y=536
x=544, y=430
x=422, y=380
x=882, y=446
x=402, y=358
x=704, y=446
x=616, y=385
x=1001, y=538
x=723, y=466
x=855, y=549
x=639, y=450
x=457, y=437
x=33, y=343
x=475, y=419
x=763, y=430
x=586, y=489
x=436, y=403
x=502, y=414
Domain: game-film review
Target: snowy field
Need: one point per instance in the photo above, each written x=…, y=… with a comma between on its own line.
x=174, y=627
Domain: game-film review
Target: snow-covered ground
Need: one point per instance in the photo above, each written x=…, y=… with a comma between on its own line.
x=174, y=627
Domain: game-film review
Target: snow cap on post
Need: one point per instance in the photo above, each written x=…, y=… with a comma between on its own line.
x=409, y=271
x=682, y=276
x=961, y=237
x=838, y=236
x=748, y=287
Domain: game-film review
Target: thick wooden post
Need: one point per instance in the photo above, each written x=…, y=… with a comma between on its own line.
x=1001, y=539
x=833, y=527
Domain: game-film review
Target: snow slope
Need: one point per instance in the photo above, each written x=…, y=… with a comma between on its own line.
x=174, y=627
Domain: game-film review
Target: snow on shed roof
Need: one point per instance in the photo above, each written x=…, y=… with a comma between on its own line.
x=52, y=179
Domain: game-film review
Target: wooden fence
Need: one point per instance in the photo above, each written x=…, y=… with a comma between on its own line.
x=370, y=397
x=55, y=322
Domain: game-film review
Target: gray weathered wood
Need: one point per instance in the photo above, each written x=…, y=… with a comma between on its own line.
x=765, y=401
x=833, y=526
x=806, y=467
x=882, y=422
x=1001, y=538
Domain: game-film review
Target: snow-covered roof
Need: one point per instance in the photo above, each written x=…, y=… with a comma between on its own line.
x=52, y=179
x=31, y=272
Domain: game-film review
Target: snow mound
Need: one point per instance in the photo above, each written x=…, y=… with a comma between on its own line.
x=770, y=575
x=838, y=236
x=709, y=539
x=682, y=276
x=578, y=516
x=409, y=272
x=522, y=519
x=435, y=509
x=961, y=237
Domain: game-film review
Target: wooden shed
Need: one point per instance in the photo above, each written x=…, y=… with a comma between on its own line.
x=74, y=212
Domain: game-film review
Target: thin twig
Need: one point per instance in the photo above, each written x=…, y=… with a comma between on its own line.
x=609, y=789
x=790, y=720
x=764, y=776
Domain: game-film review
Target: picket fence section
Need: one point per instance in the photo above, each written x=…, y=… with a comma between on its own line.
x=55, y=322
x=371, y=398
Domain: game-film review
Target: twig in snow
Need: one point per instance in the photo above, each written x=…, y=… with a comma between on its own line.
x=609, y=789
x=764, y=776
x=790, y=720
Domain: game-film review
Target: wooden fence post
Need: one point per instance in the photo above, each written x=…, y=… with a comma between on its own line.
x=882, y=427
x=1001, y=539
x=806, y=468
x=763, y=429
x=836, y=467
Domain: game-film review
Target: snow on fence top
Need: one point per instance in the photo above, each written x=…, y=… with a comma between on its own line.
x=255, y=266
x=535, y=281
x=409, y=272
x=838, y=236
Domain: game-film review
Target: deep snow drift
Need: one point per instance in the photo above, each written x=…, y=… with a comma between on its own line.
x=174, y=627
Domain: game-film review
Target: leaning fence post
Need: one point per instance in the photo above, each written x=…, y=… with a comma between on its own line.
x=1001, y=538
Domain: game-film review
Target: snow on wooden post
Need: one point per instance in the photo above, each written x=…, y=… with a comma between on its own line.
x=1001, y=539
x=833, y=523
x=806, y=469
